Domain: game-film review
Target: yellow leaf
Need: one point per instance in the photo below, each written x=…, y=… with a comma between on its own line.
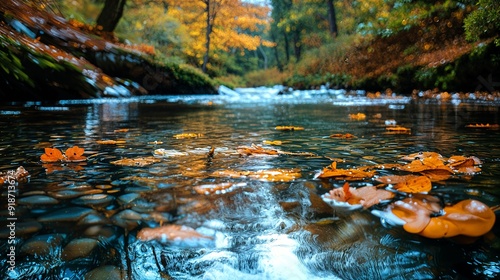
x=139, y=161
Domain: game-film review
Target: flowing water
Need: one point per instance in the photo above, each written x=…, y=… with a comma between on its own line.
x=76, y=220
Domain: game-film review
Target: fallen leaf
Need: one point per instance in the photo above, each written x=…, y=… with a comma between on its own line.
x=275, y=142
x=272, y=175
x=414, y=184
x=484, y=126
x=422, y=155
x=431, y=167
x=187, y=135
x=255, y=150
x=397, y=130
x=111, y=142
x=170, y=233
x=75, y=154
x=52, y=155
x=467, y=165
x=139, y=161
x=121, y=130
x=416, y=211
x=342, y=136
x=344, y=174
x=289, y=128
x=364, y=196
x=357, y=116
x=169, y=153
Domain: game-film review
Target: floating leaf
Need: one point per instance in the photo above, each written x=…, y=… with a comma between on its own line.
x=357, y=117
x=364, y=196
x=414, y=184
x=342, y=136
x=468, y=217
x=111, y=142
x=422, y=155
x=216, y=188
x=121, y=130
x=169, y=153
x=272, y=175
x=52, y=155
x=432, y=167
x=398, y=130
x=467, y=165
x=289, y=128
x=275, y=142
x=187, y=135
x=344, y=174
x=255, y=150
x=139, y=161
x=75, y=154
x=484, y=126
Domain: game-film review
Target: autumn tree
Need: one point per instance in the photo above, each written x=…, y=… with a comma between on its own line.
x=220, y=25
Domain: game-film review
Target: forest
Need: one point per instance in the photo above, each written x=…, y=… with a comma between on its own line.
x=194, y=46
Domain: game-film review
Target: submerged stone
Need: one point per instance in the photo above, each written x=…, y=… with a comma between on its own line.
x=108, y=272
x=71, y=214
x=34, y=200
x=96, y=200
x=42, y=244
x=78, y=248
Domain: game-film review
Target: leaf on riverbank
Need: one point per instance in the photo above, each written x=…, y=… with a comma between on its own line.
x=271, y=175
x=111, y=142
x=255, y=150
x=187, y=135
x=364, y=196
x=344, y=174
x=289, y=128
x=139, y=161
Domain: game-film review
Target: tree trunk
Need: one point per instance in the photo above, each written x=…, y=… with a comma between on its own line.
x=111, y=14
x=332, y=19
x=276, y=53
x=297, y=48
x=210, y=20
x=287, y=48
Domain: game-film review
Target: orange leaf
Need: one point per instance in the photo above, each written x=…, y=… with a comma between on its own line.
x=414, y=184
x=347, y=192
x=75, y=153
x=51, y=155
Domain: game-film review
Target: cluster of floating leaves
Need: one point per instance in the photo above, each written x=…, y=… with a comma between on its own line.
x=418, y=174
x=418, y=212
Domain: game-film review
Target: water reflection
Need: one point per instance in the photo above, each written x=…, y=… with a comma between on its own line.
x=257, y=229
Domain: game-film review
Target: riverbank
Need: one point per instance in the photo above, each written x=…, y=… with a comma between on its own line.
x=46, y=57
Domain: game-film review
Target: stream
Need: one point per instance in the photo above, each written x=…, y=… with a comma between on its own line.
x=81, y=220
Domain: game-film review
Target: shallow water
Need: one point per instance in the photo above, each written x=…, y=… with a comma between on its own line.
x=255, y=229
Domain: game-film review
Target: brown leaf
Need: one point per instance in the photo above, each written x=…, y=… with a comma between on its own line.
x=344, y=174
x=365, y=196
x=289, y=128
x=255, y=150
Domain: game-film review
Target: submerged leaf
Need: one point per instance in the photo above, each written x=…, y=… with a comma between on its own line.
x=357, y=117
x=170, y=233
x=272, y=175
x=139, y=161
x=342, y=136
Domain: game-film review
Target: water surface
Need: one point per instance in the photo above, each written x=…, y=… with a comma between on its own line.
x=256, y=229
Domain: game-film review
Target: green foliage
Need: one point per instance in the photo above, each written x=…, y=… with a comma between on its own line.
x=10, y=62
x=484, y=22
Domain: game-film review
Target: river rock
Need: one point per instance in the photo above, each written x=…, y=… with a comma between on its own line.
x=78, y=248
x=107, y=272
x=35, y=200
x=42, y=244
